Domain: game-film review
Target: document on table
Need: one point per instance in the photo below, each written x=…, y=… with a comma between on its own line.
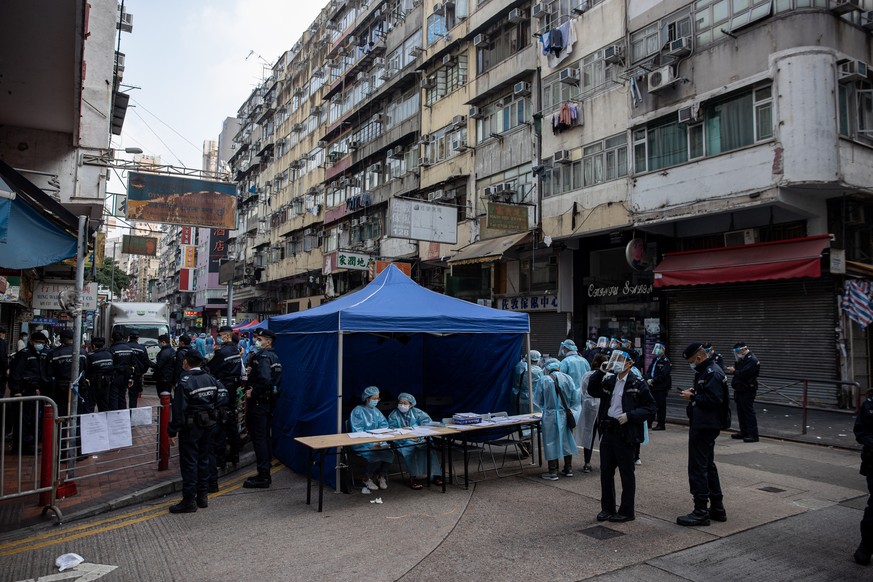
x=118, y=422
x=141, y=416
x=381, y=431
x=95, y=433
x=420, y=431
x=359, y=435
x=462, y=426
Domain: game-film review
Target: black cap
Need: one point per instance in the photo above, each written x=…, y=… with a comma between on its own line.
x=133, y=335
x=67, y=334
x=266, y=333
x=98, y=342
x=692, y=349
x=164, y=338
x=739, y=345
x=39, y=337
x=185, y=339
x=224, y=328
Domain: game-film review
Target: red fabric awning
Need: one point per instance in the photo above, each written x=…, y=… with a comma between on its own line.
x=784, y=259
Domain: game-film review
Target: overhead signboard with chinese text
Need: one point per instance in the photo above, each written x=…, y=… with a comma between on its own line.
x=45, y=295
x=512, y=217
x=139, y=245
x=177, y=200
x=417, y=220
x=349, y=260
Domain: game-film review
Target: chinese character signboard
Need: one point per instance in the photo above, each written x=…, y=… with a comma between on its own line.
x=528, y=303
x=355, y=261
x=189, y=256
x=185, y=236
x=139, y=245
x=45, y=295
x=217, y=248
x=177, y=200
x=507, y=216
x=186, y=280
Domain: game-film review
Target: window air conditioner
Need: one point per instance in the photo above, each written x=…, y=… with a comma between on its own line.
x=475, y=112
x=435, y=195
x=539, y=10
x=322, y=143
x=459, y=145
x=690, y=114
x=437, y=7
x=425, y=162
x=660, y=79
x=681, y=47
x=353, y=144
x=369, y=244
x=354, y=222
x=379, y=62
x=488, y=191
x=509, y=187
x=480, y=40
x=459, y=120
x=844, y=6
x=426, y=82
x=850, y=71
x=448, y=60
x=613, y=54
x=521, y=88
x=570, y=75
x=581, y=7
x=561, y=157
x=396, y=153
x=516, y=15
x=738, y=238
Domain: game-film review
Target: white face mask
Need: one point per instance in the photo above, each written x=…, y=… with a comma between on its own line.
x=259, y=344
x=38, y=347
x=404, y=408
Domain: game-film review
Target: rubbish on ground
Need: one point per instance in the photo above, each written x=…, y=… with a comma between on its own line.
x=377, y=500
x=67, y=561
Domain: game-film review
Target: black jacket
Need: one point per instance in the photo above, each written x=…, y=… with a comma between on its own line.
x=659, y=374
x=636, y=401
x=100, y=363
x=705, y=408
x=746, y=372
x=141, y=360
x=60, y=362
x=226, y=364
x=29, y=371
x=197, y=391
x=180, y=357
x=266, y=373
x=165, y=365
x=124, y=360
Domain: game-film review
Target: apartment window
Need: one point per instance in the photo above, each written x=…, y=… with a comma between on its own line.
x=715, y=17
x=605, y=160
x=436, y=28
x=649, y=40
x=728, y=124
x=562, y=178
x=441, y=144
x=448, y=79
x=501, y=116
x=504, y=40
x=595, y=73
x=856, y=109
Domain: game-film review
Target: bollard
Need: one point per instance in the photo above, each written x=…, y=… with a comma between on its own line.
x=164, y=437
x=46, y=472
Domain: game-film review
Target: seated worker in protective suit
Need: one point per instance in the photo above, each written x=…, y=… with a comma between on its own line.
x=414, y=451
x=378, y=455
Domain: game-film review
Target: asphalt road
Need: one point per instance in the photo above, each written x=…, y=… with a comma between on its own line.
x=793, y=515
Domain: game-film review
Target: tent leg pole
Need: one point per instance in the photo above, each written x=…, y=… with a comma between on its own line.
x=529, y=374
x=339, y=398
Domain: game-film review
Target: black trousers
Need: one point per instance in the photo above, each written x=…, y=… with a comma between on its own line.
x=100, y=389
x=617, y=453
x=259, y=421
x=118, y=393
x=702, y=472
x=661, y=402
x=745, y=400
x=867, y=519
x=134, y=391
x=194, y=444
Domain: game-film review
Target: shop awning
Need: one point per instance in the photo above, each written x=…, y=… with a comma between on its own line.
x=786, y=259
x=488, y=250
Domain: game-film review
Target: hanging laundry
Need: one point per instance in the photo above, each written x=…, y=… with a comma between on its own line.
x=546, y=41
x=556, y=41
x=565, y=118
x=568, y=39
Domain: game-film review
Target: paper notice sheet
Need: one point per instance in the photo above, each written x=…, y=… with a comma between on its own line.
x=95, y=433
x=118, y=422
x=141, y=416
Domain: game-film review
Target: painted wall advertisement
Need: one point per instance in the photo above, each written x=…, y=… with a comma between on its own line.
x=178, y=200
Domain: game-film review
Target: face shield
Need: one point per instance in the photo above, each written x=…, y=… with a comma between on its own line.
x=602, y=342
x=589, y=345
x=613, y=344
x=658, y=350
x=740, y=353
x=617, y=363
x=625, y=344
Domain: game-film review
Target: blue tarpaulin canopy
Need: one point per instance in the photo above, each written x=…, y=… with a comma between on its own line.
x=452, y=355
x=37, y=231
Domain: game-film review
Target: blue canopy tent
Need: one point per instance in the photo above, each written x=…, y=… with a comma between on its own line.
x=453, y=355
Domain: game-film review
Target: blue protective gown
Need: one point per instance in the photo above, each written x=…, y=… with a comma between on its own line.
x=414, y=451
x=365, y=418
x=584, y=431
x=521, y=393
x=558, y=439
x=575, y=366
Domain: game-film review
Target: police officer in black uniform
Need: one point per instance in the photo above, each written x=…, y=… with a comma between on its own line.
x=4, y=361
x=124, y=361
x=707, y=400
x=225, y=365
x=193, y=418
x=264, y=378
x=715, y=355
x=745, y=384
x=660, y=380
x=165, y=366
x=864, y=435
x=60, y=370
x=627, y=345
x=184, y=348
x=29, y=377
x=100, y=372
x=142, y=364
x=625, y=404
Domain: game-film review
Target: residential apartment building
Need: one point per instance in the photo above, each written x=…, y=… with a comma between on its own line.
x=595, y=158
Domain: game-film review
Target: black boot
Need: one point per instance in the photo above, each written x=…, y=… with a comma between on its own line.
x=187, y=505
x=700, y=515
x=259, y=481
x=202, y=500
x=862, y=554
x=716, y=509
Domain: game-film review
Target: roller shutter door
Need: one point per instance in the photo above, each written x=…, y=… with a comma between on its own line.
x=547, y=331
x=788, y=325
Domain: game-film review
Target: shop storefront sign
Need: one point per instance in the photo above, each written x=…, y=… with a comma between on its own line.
x=356, y=261
x=528, y=303
x=508, y=216
x=626, y=289
x=45, y=295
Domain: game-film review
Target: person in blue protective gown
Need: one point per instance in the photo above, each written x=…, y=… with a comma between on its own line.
x=414, y=451
x=378, y=455
x=573, y=364
x=521, y=393
x=557, y=396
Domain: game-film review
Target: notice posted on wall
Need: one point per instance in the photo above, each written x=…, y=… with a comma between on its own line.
x=104, y=431
x=141, y=416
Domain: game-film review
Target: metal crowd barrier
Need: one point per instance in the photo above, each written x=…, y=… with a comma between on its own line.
x=796, y=392
x=30, y=468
